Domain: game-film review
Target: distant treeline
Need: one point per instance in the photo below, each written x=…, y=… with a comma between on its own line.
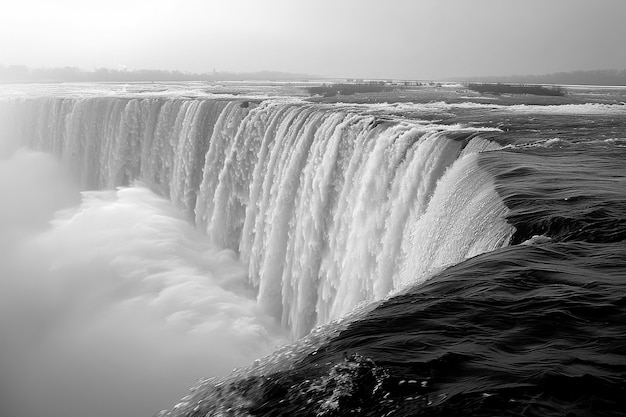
x=500, y=88
x=597, y=77
x=21, y=73
x=330, y=90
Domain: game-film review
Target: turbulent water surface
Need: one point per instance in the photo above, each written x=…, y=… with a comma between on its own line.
x=436, y=258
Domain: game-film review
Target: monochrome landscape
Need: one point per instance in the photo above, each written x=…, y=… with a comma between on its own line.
x=359, y=220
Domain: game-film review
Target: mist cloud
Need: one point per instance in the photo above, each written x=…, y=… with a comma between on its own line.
x=111, y=304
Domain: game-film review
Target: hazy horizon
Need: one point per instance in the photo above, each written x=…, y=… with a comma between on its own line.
x=362, y=39
x=18, y=73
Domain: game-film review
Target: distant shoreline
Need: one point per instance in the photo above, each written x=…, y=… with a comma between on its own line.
x=22, y=74
x=606, y=77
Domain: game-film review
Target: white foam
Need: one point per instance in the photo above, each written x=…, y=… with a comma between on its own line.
x=464, y=218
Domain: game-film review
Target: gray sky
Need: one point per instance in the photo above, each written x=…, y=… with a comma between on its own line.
x=341, y=38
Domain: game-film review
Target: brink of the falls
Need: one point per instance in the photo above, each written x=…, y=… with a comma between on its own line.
x=327, y=206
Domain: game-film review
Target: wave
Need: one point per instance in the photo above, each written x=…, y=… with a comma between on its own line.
x=575, y=194
x=521, y=329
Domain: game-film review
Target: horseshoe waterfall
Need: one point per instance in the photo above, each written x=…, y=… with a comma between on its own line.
x=321, y=204
x=152, y=239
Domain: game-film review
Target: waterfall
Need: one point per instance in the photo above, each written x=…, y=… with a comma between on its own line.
x=329, y=206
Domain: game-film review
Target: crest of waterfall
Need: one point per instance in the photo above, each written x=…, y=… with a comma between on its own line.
x=329, y=206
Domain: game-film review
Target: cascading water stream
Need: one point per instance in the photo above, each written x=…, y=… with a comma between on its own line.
x=328, y=206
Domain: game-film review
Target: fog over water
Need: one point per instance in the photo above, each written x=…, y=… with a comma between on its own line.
x=111, y=303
